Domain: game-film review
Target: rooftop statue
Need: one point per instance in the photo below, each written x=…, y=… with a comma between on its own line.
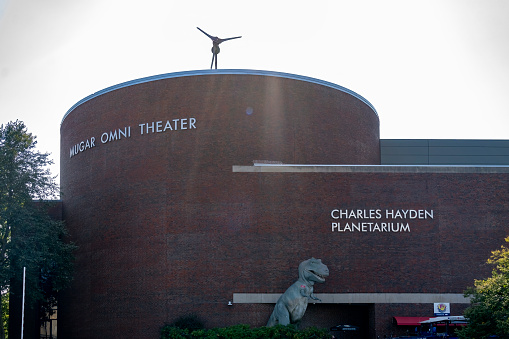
x=215, y=45
x=292, y=304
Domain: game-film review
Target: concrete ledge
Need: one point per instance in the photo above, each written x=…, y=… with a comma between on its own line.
x=269, y=168
x=359, y=298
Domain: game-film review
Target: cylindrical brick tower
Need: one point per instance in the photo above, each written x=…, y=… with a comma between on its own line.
x=149, y=196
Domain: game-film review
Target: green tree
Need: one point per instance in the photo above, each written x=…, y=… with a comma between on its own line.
x=29, y=237
x=5, y=310
x=488, y=314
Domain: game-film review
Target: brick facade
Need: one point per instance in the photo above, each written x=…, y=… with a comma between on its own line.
x=165, y=227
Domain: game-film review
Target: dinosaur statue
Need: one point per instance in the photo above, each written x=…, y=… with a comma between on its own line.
x=292, y=304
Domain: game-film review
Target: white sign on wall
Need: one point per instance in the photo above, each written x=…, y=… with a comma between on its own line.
x=376, y=219
x=442, y=309
x=125, y=132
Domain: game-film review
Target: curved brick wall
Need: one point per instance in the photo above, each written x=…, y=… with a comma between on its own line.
x=147, y=185
x=150, y=199
x=240, y=117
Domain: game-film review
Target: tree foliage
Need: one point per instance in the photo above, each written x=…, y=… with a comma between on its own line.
x=29, y=237
x=488, y=314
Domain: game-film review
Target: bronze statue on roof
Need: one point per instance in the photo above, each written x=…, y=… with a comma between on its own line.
x=215, y=45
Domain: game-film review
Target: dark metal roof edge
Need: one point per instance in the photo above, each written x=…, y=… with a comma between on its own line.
x=220, y=71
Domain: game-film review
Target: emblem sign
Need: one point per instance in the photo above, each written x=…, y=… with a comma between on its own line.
x=442, y=309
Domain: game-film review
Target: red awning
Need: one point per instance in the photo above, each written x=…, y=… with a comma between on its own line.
x=410, y=321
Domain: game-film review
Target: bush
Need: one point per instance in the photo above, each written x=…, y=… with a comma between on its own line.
x=172, y=332
x=190, y=321
x=245, y=332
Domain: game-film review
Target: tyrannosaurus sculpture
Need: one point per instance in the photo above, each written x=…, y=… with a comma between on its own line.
x=292, y=304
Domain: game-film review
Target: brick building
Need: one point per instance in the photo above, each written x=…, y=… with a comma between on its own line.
x=187, y=192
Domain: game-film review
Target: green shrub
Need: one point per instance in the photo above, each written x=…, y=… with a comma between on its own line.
x=190, y=321
x=245, y=332
x=168, y=332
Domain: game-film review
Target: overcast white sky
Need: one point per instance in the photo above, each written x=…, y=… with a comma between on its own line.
x=431, y=68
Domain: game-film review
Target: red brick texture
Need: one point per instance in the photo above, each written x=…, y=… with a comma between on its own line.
x=165, y=227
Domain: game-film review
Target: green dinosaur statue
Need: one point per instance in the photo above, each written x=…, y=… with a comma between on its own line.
x=292, y=304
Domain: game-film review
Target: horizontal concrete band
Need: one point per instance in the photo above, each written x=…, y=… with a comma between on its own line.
x=369, y=169
x=359, y=298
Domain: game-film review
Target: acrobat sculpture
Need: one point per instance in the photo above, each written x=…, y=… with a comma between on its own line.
x=215, y=45
x=292, y=304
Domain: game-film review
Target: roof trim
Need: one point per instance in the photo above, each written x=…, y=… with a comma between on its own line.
x=290, y=168
x=220, y=71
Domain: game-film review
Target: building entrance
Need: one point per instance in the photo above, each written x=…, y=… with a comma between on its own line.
x=330, y=315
